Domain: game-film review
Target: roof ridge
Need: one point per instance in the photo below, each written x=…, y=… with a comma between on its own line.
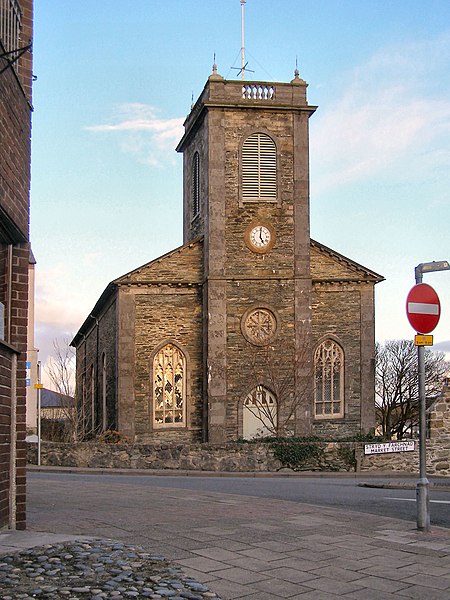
x=348, y=261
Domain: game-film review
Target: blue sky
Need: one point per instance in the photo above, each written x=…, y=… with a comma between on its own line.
x=116, y=78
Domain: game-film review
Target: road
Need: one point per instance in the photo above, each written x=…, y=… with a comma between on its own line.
x=336, y=492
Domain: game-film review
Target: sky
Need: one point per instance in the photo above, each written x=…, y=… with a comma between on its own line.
x=115, y=80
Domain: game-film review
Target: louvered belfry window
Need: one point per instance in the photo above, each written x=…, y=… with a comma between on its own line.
x=195, y=185
x=259, y=169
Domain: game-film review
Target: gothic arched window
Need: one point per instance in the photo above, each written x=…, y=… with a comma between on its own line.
x=259, y=413
x=104, y=407
x=259, y=169
x=329, y=380
x=169, y=387
x=195, y=185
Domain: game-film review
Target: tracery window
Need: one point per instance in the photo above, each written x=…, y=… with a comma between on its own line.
x=259, y=169
x=329, y=380
x=169, y=387
x=259, y=413
x=195, y=185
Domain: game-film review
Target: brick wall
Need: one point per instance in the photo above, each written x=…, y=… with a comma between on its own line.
x=15, y=132
x=13, y=386
x=15, y=152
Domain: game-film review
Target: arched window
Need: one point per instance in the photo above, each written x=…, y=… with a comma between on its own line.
x=195, y=185
x=93, y=423
x=329, y=380
x=259, y=169
x=169, y=387
x=104, y=409
x=259, y=416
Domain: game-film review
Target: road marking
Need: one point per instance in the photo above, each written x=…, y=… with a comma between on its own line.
x=414, y=500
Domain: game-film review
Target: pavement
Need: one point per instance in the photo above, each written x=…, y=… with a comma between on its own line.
x=245, y=547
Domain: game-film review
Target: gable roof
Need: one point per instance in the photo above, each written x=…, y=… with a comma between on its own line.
x=327, y=265
x=170, y=268
x=177, y=267
x=52, y=399
x=181, y=265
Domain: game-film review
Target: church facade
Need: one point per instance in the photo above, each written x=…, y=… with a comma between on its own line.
x=250, y=327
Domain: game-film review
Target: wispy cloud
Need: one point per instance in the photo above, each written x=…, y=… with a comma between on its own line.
x=384, y=114
x=443, y=347
x=54, y=299
x=142, y=132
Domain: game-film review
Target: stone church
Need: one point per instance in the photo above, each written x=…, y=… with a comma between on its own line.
x=250, y=327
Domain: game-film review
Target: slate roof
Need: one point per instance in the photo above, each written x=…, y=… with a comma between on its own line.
x=357, y=272
x=52, y=399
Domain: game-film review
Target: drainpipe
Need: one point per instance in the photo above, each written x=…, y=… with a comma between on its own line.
x=13, y=450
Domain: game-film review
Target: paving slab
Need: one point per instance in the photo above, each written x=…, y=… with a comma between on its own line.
x=278, y=549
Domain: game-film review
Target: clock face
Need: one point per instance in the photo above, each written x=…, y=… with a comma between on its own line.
x=260, y=236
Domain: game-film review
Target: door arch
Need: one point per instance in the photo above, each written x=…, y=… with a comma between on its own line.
x=259, y=413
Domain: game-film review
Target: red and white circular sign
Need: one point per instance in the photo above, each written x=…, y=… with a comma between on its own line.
x=423, y=308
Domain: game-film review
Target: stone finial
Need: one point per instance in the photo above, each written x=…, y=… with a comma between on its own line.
x=297, y=79
x=215, y=75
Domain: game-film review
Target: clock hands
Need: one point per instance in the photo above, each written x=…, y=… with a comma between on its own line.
x=260, y=235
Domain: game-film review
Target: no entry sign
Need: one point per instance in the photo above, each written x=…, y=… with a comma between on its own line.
x=423, y=308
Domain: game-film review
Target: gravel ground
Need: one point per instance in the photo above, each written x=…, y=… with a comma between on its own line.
x=94, y=570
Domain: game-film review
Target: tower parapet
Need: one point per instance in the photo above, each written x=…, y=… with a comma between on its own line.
x=224, y=93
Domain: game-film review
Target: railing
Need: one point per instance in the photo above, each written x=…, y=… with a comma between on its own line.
x=10, y=25
x=258, y=91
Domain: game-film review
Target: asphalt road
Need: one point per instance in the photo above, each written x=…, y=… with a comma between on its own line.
x=337, y=492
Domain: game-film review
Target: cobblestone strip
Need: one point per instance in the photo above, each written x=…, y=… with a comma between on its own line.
x=94, y=570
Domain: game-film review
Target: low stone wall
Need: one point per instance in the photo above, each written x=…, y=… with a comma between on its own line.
x=232, y=457
x=401, y=462
x=235, y=457
x=439, y=446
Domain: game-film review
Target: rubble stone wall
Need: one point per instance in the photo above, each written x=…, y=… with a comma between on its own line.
x=255, y=457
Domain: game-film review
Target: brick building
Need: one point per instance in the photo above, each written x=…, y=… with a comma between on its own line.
x=250, y=327
x=15, y=133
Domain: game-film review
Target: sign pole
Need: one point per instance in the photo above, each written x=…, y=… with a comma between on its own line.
x=38, y=387
x=423, y=310
x=423, y=485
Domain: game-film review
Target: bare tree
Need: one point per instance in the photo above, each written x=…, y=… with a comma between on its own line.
x=396, y=385
x=292, y=393
x=60, y=369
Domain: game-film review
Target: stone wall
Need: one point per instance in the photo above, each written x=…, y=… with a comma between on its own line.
x=96, y=371
x=230, y=457
x=254, y=457
x=438, y=447
x=439, y=444
x=401, y=462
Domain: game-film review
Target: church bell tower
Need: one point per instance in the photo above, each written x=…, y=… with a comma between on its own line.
x=246, y=191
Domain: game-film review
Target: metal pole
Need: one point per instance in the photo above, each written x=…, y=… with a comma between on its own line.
x=423, y=486
x=423, y=500
x=242, y=42
x=39, y=413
